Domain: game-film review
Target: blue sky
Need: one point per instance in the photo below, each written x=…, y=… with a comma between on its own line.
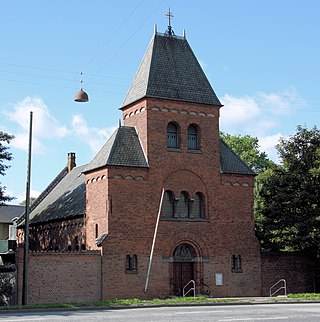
x=261, y=57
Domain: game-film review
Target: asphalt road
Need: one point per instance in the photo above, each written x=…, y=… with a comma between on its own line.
x=228, y=313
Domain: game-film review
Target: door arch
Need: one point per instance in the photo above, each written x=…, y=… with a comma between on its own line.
x=183, y=267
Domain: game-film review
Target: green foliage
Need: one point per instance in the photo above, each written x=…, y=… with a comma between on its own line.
x=31, y=200
x=247, y=147
x=290, y=196
x=305, y=296
x=5, y=155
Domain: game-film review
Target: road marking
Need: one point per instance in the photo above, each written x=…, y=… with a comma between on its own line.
x=255, y=319
x=198, y=312
x=23, y=319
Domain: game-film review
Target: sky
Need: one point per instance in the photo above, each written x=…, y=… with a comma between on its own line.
x=260, y=56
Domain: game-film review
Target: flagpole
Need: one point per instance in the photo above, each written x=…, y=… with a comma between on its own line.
x=153, y=243
x=26, y=223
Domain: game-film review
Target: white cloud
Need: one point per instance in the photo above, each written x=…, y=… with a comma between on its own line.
x=280, y=104
x=94, y=137
x=268, y=143
x=44, y=125
x=238, y=110
x=22, y=196
x=260, y=115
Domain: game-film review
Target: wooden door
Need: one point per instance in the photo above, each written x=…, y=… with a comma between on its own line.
x=183, y=272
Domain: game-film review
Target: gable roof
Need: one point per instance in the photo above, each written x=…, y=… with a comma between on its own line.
x=122, y=149
x=170, y=70
x=67, y=199
x=230, y=162
x=8, y=212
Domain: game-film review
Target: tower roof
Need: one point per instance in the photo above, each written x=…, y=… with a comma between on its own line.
x=170, y=70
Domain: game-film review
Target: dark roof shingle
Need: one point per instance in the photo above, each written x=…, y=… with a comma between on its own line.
x=67, y=199
x=170, y=70
x=122, y=149
x=230, y=162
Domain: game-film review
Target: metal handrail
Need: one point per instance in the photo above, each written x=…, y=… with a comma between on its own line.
x=191, y=289
x=280, y=288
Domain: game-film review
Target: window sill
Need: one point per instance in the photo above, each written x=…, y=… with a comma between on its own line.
x=131, y=272
x=185, y=219
x=195, y=151
x=173, y=149
x=238, y=270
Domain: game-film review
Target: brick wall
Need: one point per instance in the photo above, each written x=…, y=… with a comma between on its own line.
x=226, y=230
x=61, y=277
x=296, y=269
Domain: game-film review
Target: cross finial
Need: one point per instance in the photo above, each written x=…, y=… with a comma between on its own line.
x=169, y=15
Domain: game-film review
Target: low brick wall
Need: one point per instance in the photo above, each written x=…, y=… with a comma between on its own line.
x=296, y=269
x=62, y=277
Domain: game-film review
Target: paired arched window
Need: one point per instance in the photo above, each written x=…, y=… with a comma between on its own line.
x=193, y=140
x=172, y=136
x=131, y=263
x=183, y=207
x=236, y=263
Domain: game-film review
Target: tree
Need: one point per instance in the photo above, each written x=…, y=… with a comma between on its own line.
x=5, y=155
x=247, y=147
x=290, y=195
x=31, y=200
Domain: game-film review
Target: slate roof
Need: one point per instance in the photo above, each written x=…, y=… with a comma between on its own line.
x=122, y=149
x=67, y=199
x=230, y=162
x=170, y=70
x=8, y=212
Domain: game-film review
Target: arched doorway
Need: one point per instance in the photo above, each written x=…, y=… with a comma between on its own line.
x=183, y=267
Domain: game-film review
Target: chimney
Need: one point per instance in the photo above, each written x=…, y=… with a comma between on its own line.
x=71, y=161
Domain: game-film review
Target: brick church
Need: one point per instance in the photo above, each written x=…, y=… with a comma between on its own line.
x=165, y=201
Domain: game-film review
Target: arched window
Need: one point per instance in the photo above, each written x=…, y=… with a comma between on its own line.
x=198, y=206
x=168, y=204
x=193, y=140
x=172, y=136
x=183, y=205
x=183, y=252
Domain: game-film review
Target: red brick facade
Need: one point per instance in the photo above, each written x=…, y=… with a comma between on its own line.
x=124, y=202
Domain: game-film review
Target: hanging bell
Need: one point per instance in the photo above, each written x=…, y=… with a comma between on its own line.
x=81, y=96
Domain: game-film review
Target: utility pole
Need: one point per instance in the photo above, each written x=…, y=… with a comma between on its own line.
x=26, y=223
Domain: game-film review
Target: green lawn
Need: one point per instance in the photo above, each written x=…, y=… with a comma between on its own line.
x=168, y=301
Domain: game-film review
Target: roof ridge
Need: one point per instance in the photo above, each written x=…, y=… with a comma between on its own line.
x=113, y=144
x=46, y=191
